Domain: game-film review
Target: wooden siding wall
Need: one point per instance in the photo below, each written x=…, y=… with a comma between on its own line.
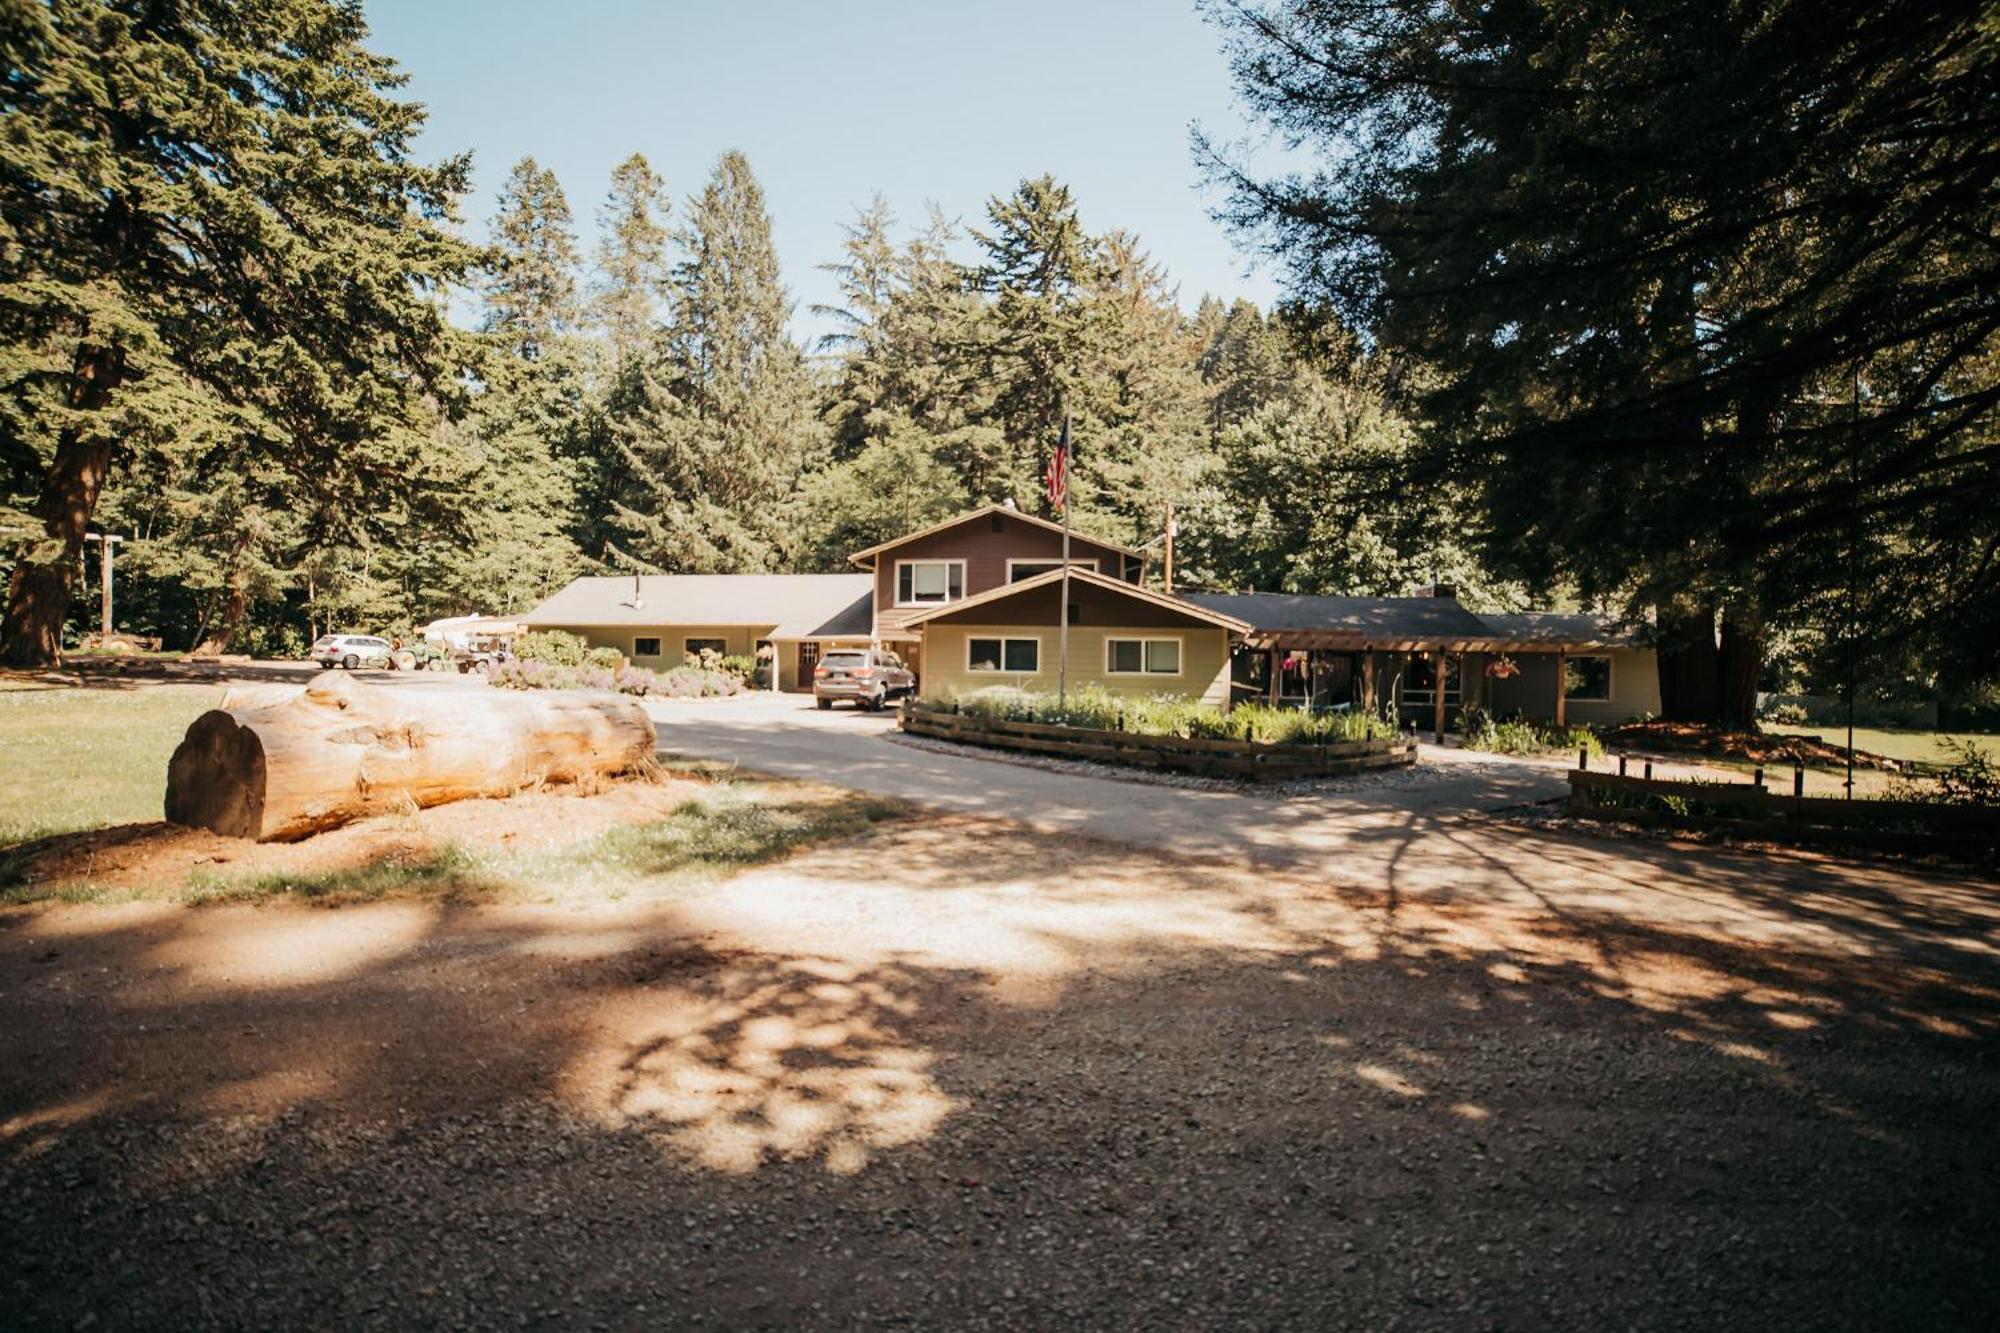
x=1204, y=660
x=986, y=553
x=1635, y=688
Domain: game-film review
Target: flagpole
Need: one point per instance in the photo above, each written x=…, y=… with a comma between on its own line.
x=1062, y=605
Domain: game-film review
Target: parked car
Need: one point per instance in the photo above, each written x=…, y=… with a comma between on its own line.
x=351, y=651
x=870, y=679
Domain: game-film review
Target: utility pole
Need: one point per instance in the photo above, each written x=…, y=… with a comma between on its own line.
x=109, y=544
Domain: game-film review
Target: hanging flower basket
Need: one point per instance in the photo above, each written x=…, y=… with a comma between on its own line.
x=1503, y=668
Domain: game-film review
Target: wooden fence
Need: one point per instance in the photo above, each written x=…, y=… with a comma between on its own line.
x=1749, y=808
x=1267, y=760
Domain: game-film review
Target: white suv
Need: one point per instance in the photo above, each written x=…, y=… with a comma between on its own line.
x=350, y=651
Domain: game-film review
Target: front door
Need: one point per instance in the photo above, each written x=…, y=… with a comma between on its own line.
x=808, y=659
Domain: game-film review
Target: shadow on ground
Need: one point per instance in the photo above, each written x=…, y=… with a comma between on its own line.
x=960, y=1075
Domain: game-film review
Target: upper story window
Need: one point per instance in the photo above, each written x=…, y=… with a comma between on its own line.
x=1027, y=569
x=928, y=582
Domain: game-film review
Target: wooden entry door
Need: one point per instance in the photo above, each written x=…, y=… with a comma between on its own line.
x=808, y=659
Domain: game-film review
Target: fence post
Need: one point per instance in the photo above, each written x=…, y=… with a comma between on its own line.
x=1758, y=781
x=1649, y=770
x=1621, y=765
x=1582, y=758
x=1799, y=781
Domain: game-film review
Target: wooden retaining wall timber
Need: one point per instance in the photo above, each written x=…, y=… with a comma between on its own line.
x=1268, y=760
x=1750, y=810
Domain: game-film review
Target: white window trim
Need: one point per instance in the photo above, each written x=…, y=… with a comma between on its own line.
x=1001, y=670
x=1180, y=655
x=896, y=588
x=1088, y=561
x=656, y=638
x=1610, y=679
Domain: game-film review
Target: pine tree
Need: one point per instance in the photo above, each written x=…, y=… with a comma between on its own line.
x=631, y=260
x=213, y=214
x=721, y=429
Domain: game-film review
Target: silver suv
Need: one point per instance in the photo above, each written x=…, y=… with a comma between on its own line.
x=870, y=679
x=350, y=651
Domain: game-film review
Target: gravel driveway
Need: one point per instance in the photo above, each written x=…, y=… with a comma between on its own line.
x=1414, y=1072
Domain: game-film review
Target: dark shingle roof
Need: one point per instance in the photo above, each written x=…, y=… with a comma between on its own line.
x=1383, y=617
x=1419, y=620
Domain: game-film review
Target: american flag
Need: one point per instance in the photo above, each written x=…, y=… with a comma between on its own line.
x=1057, y=475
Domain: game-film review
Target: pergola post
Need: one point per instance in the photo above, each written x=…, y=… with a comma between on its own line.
x=1562, y=683
x=1277, y=661
x=1437, y=695
x=1367, y=682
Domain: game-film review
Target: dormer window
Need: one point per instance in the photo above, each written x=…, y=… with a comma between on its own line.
x=929, y=582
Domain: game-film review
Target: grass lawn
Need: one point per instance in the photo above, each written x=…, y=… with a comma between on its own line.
x=1925, y=747
x=82, y=759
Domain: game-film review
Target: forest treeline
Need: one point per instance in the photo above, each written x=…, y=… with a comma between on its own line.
x=1691, y=320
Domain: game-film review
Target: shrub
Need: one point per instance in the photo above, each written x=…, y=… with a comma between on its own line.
x=1789, y=715
x=608, y=658
x=740, y=665
x=1095, y=708
x=685, y=682
x=1971, y=778
x=1478, y=730
x=552, y=646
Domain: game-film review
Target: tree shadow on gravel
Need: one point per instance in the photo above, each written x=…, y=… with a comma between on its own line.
x=955, y=1075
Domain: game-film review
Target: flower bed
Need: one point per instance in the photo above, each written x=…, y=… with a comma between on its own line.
x=967, y=721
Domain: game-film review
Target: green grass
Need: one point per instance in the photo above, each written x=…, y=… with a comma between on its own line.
x=734, y=827
x=83, y=759
x=1925, y=747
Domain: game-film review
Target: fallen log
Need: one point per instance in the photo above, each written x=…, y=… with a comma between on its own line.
x=281, y=768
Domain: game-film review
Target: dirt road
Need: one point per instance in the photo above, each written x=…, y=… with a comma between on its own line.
x=962, y=1074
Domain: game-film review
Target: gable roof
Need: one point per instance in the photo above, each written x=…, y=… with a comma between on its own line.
x=860, y=557
x=1425, y=621
x=800, y=605
x=1119, y=587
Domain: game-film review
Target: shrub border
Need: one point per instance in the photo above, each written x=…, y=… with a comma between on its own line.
x=1275, y=761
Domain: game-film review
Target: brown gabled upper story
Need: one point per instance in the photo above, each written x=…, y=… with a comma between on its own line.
x=974, y=553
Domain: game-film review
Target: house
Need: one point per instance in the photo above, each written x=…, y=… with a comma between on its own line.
x=973, y=602
x=660, y=620
x=1371, y=651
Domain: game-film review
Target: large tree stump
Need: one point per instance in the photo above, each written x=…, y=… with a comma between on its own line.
x=280, y=768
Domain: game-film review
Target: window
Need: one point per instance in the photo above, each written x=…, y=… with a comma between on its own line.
x=1420, y=679
x=995, y=654
x=1142, y=657
x=1587, y=680
x=646, y=647
x=1027, y=569
x=926, y=582
x=696, y=647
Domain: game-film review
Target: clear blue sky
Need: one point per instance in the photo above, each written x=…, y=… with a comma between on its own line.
x=832, y=102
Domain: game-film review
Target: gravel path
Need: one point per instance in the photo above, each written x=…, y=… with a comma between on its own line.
x=958, y=1074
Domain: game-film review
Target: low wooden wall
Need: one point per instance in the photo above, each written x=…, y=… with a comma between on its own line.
x=1752, y=810
x=1270, y=761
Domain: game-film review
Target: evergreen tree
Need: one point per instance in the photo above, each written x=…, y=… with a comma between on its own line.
x=720, y=430
x=213, y=220
x=631, y=260
x=531, y=297
x=1701, y=290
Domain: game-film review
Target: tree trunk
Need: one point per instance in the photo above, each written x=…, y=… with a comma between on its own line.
x=279, y=769
x=233, y=611
x=1688, y=660
x=38, y=592
x=1739, y=665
